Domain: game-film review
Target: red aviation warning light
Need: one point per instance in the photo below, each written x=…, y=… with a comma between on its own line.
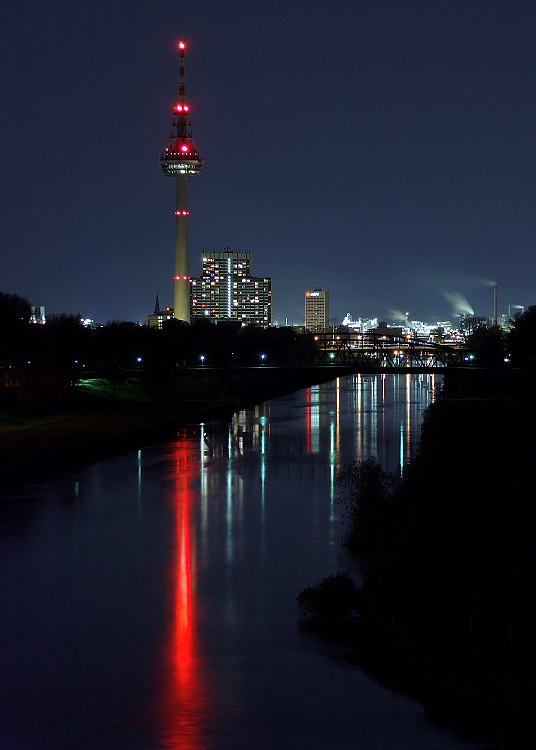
x=180, y=156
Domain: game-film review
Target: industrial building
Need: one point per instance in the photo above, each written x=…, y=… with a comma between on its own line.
x=226, y=290
x=37, y=314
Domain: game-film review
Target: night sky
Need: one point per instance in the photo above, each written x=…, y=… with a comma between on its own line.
x=382, y=150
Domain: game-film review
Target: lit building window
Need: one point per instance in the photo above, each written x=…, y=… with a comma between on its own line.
x=223, y=273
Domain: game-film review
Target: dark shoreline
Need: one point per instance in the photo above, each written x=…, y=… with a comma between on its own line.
x=44, y=446
x=50, y=446
x=449, y=614
x=479, y=706
x=487, y=708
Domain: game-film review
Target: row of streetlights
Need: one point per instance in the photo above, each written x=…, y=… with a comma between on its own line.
x=202, y=358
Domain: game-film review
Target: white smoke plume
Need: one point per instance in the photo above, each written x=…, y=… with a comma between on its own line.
x=397, y=316
x=486, y=282
x=459, y=303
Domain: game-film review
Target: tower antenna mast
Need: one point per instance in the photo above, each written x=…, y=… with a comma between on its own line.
x=181, y=160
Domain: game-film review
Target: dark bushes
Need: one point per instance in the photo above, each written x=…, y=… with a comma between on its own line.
x=368, y=494
x=331, y=600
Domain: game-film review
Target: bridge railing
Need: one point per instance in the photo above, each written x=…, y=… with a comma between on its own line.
x=371, y=350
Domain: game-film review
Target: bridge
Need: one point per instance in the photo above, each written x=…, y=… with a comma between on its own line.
x=369, y=352
x=311, y=357
x=302, y=360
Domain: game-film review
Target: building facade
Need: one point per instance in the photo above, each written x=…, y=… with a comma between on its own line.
x=316, y=311
x=226, y=290
x=37, y=314
x=159, y=317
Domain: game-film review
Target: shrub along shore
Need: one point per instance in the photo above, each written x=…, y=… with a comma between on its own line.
x=447, y=607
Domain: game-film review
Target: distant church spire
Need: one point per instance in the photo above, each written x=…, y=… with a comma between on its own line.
x=156, y=305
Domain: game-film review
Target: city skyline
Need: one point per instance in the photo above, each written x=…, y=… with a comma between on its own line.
x=384, y=152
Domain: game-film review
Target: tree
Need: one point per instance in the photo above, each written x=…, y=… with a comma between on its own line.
x=64, y=341
x=332, y=599
x=522, y=339
x=488, y=345
x=366, y=488
x=14, y=330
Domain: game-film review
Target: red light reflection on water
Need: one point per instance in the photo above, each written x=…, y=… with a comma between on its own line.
x=187, y=700
x=308, y=420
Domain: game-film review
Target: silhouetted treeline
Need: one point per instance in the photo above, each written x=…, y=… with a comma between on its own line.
x=40, y=363
x=452, y=557
x=448, y=596
x=495, y=347
x=448, y=557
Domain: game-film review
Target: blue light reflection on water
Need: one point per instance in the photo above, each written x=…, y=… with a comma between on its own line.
x=149, y=600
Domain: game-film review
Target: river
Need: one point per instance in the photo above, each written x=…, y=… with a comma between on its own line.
x=149, y=600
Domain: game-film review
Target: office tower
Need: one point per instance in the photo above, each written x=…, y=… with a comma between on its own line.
x=181, y=160
x=316, y=310
x=226, y=290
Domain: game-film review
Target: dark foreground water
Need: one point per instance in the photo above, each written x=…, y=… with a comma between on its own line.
x=148, y=601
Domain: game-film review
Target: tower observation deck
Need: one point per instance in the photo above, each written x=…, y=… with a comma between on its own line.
x=181, y=160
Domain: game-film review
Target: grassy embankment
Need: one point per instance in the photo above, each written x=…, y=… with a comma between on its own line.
x=101, y=419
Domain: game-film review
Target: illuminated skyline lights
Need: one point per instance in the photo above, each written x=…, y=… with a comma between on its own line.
x=181, y=160
x=226, y=290
x=316, y=310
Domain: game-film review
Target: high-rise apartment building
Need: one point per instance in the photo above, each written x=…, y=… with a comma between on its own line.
x=226, y=290
x=316, y=310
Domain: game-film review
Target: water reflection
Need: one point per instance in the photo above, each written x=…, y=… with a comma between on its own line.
x=382, y=409
x=150, y=599
x=255, y=519
x=380, y=416
x=188, y=698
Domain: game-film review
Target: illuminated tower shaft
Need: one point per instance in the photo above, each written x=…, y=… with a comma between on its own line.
x=181, y=288
x=181, y=160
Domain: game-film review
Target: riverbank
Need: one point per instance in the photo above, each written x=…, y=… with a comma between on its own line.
x=46, y=446
x=488, y=707
x=105, y=418
x=456, y=606
x=448, y=602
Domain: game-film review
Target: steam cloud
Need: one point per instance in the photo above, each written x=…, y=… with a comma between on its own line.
x=486, y=282
x=397, y=316
x=459, y=303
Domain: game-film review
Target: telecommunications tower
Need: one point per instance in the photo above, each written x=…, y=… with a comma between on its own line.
x=181, y=160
